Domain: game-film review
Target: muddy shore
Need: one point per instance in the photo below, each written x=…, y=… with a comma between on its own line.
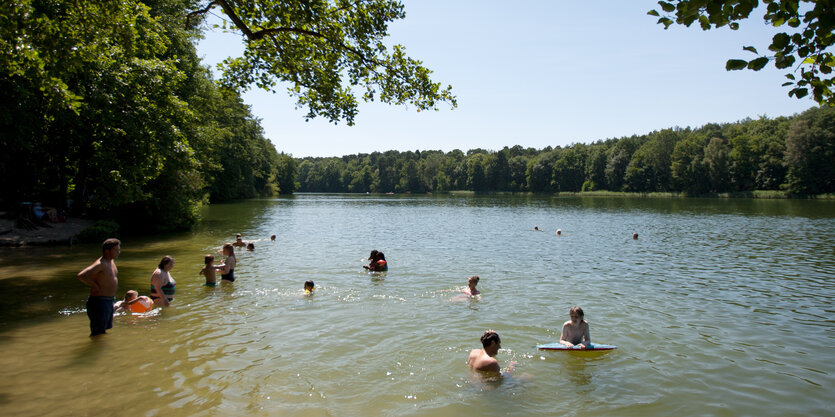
x=53, y=234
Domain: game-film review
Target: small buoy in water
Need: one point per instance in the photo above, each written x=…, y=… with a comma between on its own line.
x=142, y=305
x=559, y=232
x=634, y=236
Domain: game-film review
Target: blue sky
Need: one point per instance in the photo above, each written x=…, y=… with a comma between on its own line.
x=540, y=73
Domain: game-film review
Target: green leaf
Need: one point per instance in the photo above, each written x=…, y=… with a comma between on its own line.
x=787, y=83
x=653, y=13
x=733, y=26
x=779, y=42
x=750, y=49
x=667, y=7
x=758, y=63
x=798, y=92
x=735, y=64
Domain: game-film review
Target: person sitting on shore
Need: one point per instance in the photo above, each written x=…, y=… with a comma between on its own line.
x=575, y=332
x=238, y=241
x=308, y=287
x=209, y=271
x=471, y=284
x=45, y=213
x=134, y=302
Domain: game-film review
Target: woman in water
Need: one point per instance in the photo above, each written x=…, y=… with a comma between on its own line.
x=227, y=268
x=162, y=283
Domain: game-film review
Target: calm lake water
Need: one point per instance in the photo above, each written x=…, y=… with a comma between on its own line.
x=721, y=307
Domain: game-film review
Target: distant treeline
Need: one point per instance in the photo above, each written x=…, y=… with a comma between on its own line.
x=794, y=154
x=107, y=111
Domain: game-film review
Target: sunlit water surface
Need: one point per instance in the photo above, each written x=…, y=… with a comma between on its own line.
x=721, y=307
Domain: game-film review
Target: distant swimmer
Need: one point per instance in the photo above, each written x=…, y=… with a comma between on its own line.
x=575, y=332
x=209, y=271
x=559, y=232
x=471, y=283
x=238, y=241
x=272, y=238
x=250, y=247
x=536, y=228
x=377, y=262
x=308, y=287
x=484, y=359
x=101, y=277
x=634, y=236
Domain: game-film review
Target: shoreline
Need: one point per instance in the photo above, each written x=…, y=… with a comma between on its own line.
x=56, y=234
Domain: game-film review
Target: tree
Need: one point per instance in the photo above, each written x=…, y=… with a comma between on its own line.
x=810, y=152
x=323, y=50
x=806, y=44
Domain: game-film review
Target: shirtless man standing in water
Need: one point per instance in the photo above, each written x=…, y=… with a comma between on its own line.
x=101, y=277
x=485, y=359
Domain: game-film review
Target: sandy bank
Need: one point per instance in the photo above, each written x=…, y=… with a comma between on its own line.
x=55, y=234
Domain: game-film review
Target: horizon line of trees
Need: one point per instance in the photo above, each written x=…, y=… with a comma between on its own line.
x=794, y=154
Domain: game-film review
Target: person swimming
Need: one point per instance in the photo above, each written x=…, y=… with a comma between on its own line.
x=308, y=287
x=575, y=332
x=471, y=284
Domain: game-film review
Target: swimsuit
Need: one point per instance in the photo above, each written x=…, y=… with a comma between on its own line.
x=167, y=289
x=230, y=276
x=100, y=311
x=210, y=284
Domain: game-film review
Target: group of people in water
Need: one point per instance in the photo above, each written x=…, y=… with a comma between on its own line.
x=101, y=277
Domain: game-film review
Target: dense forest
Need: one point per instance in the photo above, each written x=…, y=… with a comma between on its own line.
x=108, y=112
x=793, y=154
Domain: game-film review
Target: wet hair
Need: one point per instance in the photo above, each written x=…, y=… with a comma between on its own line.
x=489, y=337
x=577, y=310
x=473, y=278
x=308, y=284
x=250, y=246
x=230, y=247
x=380, y=256
x=208, y=259
x=129, y=293
x=165, y=261
x=272, y=237
x=110, y=244
x=373, y=255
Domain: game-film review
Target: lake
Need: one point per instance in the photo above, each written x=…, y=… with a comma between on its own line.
x=721, y=307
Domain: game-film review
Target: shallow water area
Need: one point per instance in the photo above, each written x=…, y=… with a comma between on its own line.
x=720, y=307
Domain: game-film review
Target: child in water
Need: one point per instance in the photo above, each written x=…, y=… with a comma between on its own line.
x=209, y=271
x=308, y=287
x=575, y=332
x=133, y=302
x=250, y=247
x=471, y=283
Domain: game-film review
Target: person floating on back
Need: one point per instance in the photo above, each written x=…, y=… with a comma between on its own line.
x=209, y=271
x=308, y=287
x=101, y=277
x=575, y=332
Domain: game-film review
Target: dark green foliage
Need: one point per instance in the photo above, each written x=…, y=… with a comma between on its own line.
x=99, y=231
x=796, y=153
